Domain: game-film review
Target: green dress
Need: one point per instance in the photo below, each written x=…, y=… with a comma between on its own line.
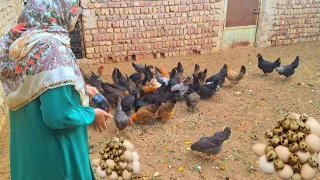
x=49, y=138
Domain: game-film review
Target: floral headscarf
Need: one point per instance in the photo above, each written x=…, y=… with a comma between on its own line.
x=35, y=54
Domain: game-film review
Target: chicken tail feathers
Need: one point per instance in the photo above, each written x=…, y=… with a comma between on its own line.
x=277, y=63
x=179, y=68
x=295, y=63
x=243, y=69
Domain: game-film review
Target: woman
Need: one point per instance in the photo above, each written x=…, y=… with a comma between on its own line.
x=46, y=94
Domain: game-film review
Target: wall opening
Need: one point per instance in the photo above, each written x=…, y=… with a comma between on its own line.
x=76, y=40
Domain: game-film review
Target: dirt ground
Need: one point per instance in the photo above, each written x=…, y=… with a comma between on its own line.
x=249, y=108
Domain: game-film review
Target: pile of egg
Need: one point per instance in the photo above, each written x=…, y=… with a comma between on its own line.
x=119, y=160
x=293, y=148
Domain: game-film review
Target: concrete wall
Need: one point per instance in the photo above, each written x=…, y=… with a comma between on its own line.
x=9, y=11
x=288, y=21
x=116, y=30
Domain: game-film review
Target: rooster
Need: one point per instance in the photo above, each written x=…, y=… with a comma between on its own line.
x=100, y=70
x=288, y=70
x=235, y=77
x=266, y=66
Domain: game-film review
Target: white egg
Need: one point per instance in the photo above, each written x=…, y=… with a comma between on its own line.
x=94, y=168
x=265, y=166
x=314, y=126
x=318, y=160
x=95, y=162
x=126, y=175
x=286, y=172
x=303, y=156
x=110, y=163
x=128, y=155
x=314, y=143
x=136, y=167
x=101, y=173
x=283, y=153
x=128, y=145
x=135, y=156
x=123, y=165
x=113, y=176
x=259, y=149
x=307, y=172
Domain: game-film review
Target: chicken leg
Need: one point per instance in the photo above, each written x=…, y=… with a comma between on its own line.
x=211, y=157
x=117, y=133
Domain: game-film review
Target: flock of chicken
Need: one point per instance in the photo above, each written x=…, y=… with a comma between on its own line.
x=153, y=92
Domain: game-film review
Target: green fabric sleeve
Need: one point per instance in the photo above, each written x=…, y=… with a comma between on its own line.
x=61, y=108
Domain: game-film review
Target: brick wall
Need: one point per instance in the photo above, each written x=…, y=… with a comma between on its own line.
x=121, y=30
x=9, y=11
x=289, y=21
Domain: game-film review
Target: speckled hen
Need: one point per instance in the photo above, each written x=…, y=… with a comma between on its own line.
x=121, y=119
x=212, y=145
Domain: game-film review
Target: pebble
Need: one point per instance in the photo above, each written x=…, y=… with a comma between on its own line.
x=265, y=166
x=286, y=172
x=258, y=149
x=307, y=172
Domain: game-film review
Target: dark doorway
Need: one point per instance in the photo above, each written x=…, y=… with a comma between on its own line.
x=76, y=40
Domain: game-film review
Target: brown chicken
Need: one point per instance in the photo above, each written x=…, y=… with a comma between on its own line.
x=145, y=114
x=163, y=72
x=100, y=70
x=147, y=89
x=235, y=77
x=166, y=110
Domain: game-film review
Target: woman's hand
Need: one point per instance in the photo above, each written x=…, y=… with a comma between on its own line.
x=91, y=90
x=99, y=122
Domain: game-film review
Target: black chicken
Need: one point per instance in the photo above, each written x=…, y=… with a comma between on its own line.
x=207, y=91
x=219, y=76
x=212, y=145
x=266, y=66
x=128, y=100
x=288, y=70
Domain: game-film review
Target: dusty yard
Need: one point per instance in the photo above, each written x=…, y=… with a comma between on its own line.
x=249, y=108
